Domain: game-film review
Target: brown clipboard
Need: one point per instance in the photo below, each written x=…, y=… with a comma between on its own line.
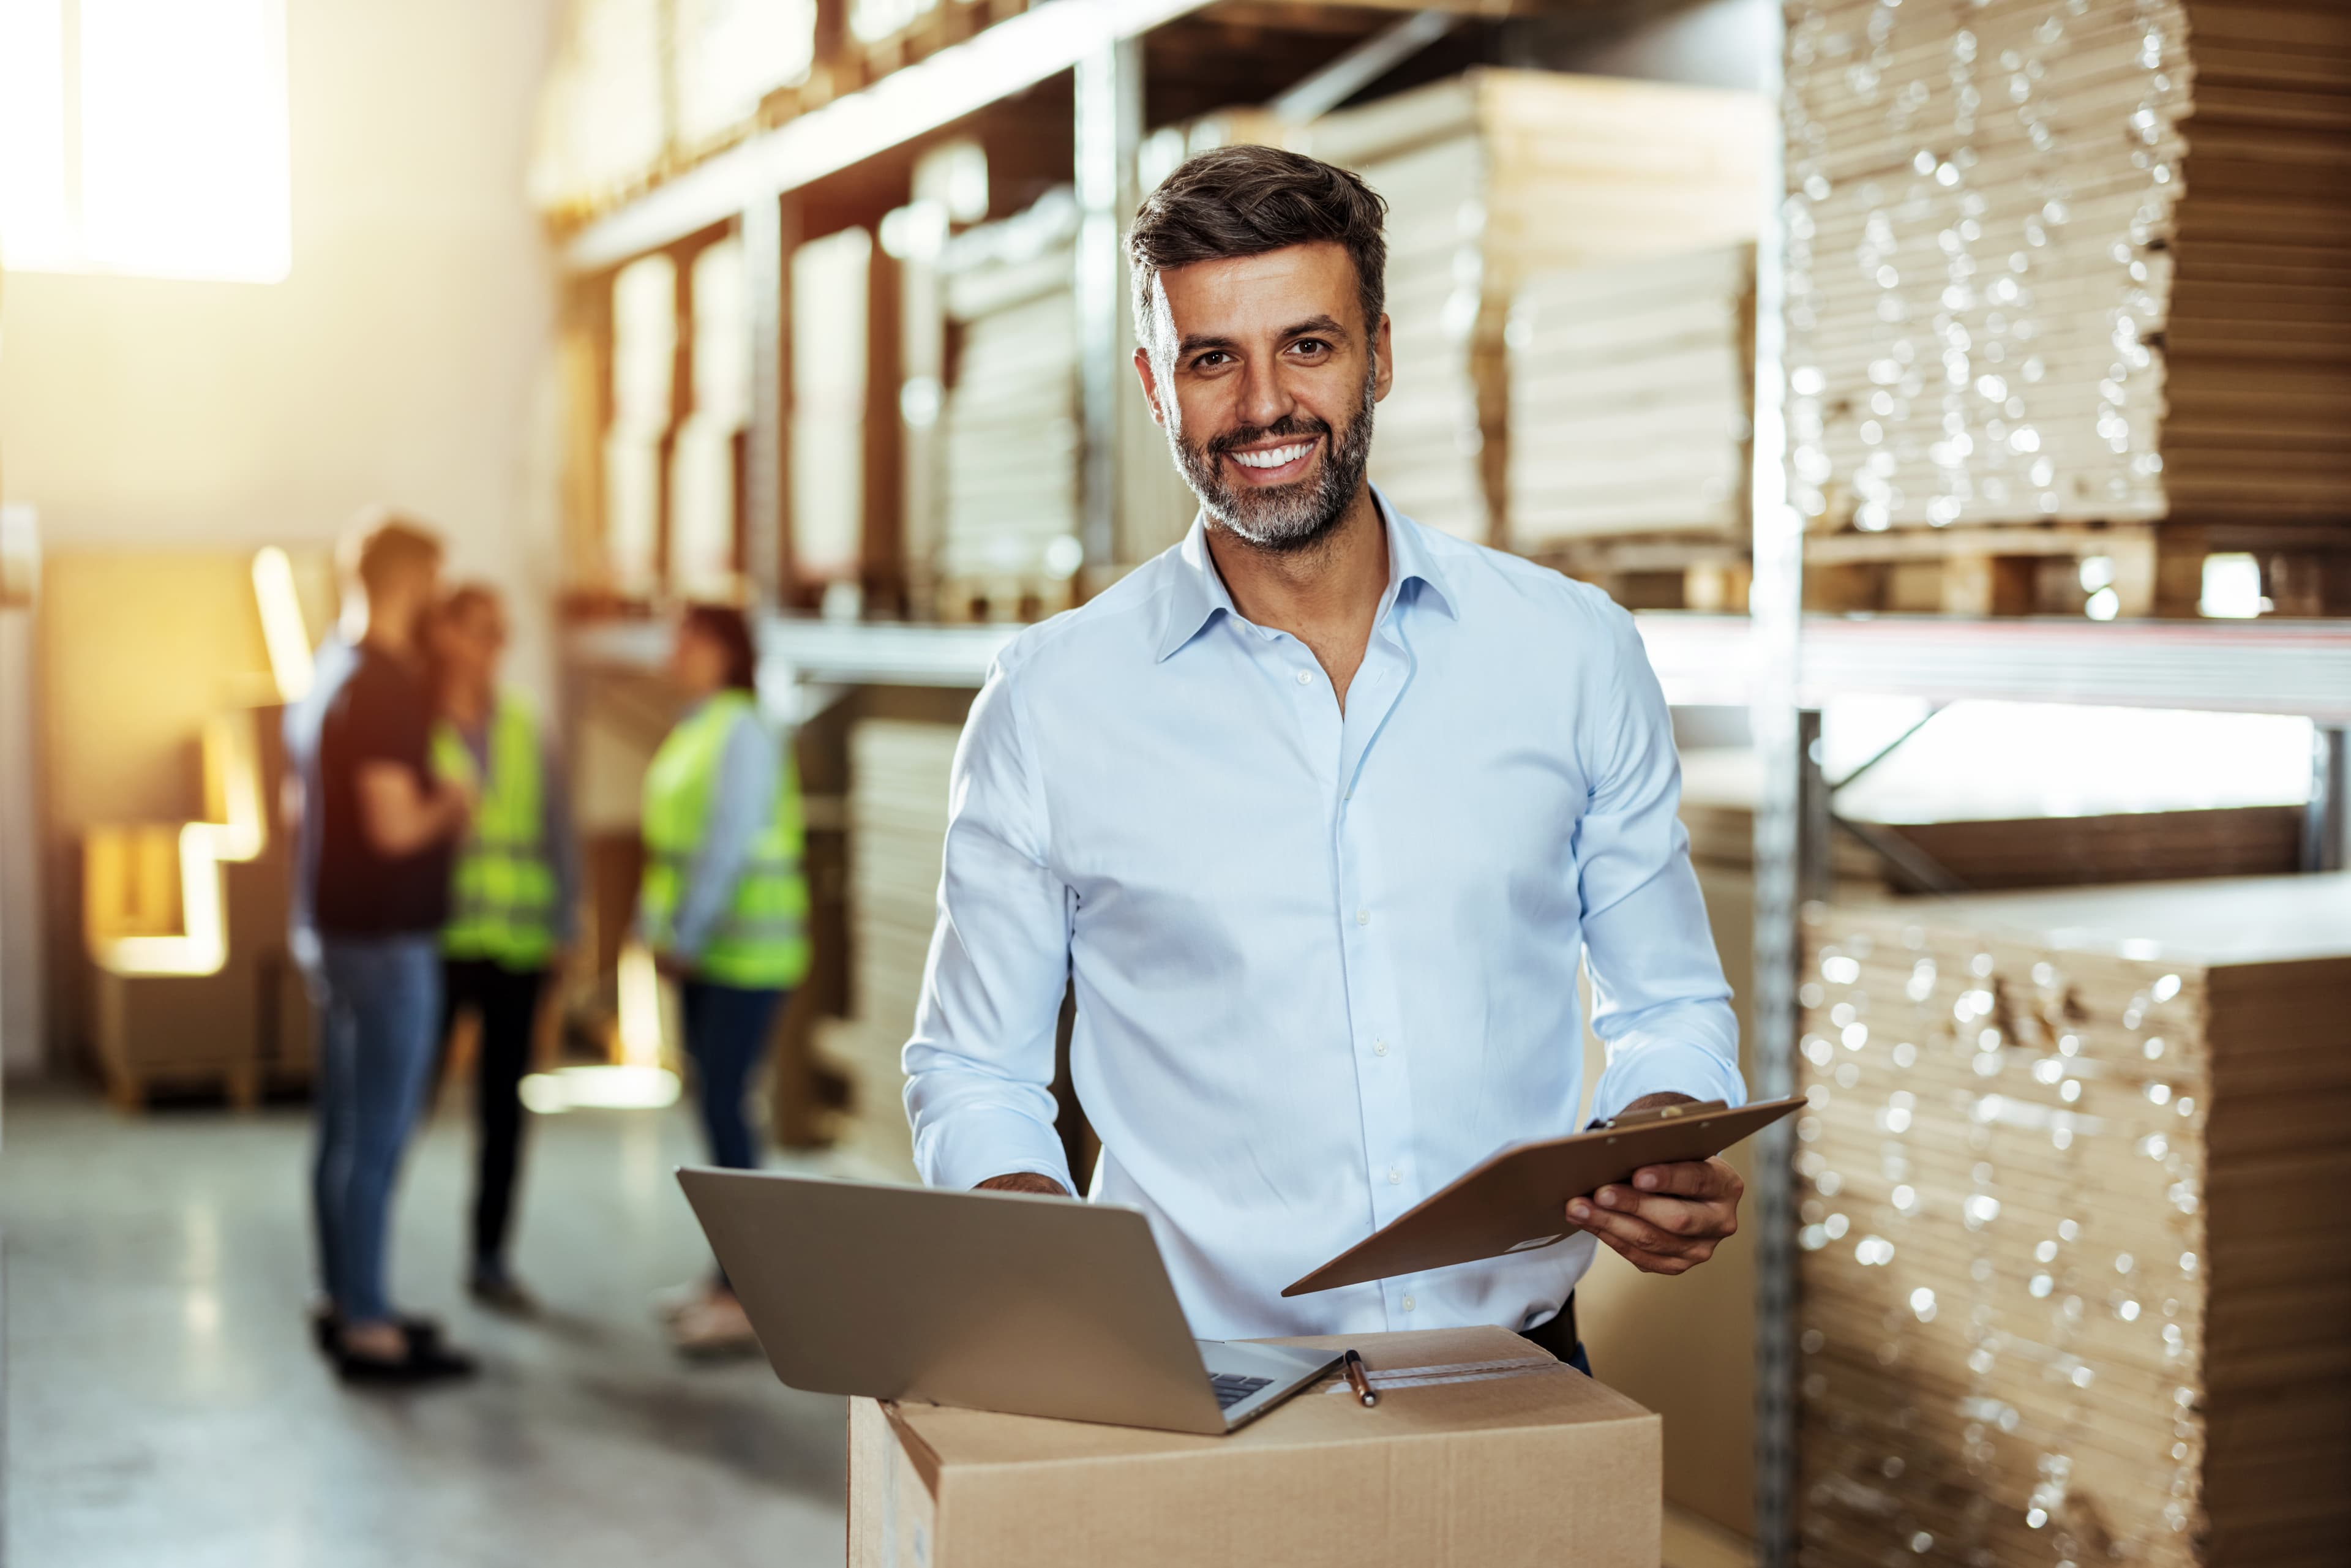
x=1515, y=1201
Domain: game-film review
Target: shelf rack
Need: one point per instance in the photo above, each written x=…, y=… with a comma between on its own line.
x=1779, y=663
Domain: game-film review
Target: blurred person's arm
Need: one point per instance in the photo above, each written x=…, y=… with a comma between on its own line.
x=742, y=799
x=401, y=816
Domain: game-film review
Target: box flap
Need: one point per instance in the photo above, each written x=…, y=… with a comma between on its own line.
x=1433, y=1382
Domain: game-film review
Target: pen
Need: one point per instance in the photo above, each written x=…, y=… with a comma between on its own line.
x=1359, y=1381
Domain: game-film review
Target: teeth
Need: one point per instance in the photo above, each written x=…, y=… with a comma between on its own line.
x=1275, y=458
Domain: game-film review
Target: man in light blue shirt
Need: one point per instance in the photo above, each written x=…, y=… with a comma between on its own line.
x=1318, y=810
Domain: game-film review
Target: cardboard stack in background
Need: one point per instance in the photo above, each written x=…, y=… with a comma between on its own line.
x=602, y=116
x=1490, y=177
x=831, y=296
x=705, y=511
x=1482, y=1450
x=2070, y=1285
x=728, y=56
x=898, y=826
x=2081, y=263
x=1010, y=420
x=642, y=392
x=1632, y=392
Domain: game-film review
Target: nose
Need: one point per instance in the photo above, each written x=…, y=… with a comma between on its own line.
x=1265, y=399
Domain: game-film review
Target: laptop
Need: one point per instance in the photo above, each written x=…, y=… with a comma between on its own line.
x=992, y=1300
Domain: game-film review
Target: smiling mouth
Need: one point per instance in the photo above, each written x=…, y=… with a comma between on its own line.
x=1268, y=459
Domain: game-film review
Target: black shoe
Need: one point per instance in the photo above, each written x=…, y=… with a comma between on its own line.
x=491, y=1285
x=427, y=1363
x=326, y=1330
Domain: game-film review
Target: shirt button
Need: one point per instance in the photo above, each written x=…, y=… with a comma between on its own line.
x=1408, y=1303
x=1305, y=678
x=1395, y=1176
x=1363, y=917
x=1379, y=1048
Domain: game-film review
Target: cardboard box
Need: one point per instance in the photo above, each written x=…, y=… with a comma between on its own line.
x=1483, y=1452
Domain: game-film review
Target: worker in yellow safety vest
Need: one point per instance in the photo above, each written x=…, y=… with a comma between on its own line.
x=512, y=901
x=724, y=905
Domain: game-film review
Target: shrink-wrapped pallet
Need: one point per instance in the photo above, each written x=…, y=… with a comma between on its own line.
x=644, y=367
x=602, y=125
x=898, y=824
x=704, y=510
x=1632, y=390
x=730, y=54
x=2080, y=261
x=831, y=298
x=2070, y=1287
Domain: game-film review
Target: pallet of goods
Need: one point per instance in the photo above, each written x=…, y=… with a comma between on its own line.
x=1632, y=397
x=727, y=58
x=1491, y=178
x=2080, y=273
x=602, y=119
x=897, y=825
x=2069, y=1290
x=1008, y=537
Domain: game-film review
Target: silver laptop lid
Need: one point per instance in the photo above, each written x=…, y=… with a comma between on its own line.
x=1039, y=1306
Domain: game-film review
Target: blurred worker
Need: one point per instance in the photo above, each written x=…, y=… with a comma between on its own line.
x=382, y=828
x=1318, y=811
x=724, y=904
x=514, y=898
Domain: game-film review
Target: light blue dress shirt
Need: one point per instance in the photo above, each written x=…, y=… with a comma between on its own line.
x=1324, y=964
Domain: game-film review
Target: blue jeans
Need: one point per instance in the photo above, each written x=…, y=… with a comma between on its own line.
x=726, y=1035
x=379, y=1000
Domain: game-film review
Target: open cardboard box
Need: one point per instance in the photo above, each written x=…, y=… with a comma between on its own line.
x=1483, y=1452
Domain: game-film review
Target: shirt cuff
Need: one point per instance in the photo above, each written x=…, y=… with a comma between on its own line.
x=1665, y=1067
x=968, y=1145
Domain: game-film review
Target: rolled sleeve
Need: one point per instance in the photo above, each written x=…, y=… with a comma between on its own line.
x=1660, y=1003
x=979, y=1067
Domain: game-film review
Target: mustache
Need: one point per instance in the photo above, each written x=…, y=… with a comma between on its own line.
x=1289, y=425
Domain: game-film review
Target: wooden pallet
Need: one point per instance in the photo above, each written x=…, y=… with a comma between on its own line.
x=2155, y=569
x=1658, y=572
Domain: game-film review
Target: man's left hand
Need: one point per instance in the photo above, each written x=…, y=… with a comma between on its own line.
x=1669, y=1218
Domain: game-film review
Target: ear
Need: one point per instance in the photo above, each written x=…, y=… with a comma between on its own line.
x=1383, y=359
x=1150, y=386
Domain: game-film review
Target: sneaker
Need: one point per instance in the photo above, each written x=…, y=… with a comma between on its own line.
x=714, y=1327
x=326, y=1327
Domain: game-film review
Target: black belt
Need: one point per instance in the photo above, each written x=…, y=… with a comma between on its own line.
x=1557, y=1336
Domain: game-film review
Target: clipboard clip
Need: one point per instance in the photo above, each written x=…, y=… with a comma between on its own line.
x=1663, y=1113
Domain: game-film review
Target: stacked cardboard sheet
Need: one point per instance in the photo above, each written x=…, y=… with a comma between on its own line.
x=831, y=299
x=728, y=55
x=1489, y=178
x=1010, y=419
x=644, y=368
x=1632, y=390
x=898, y=819
x=703, y=511
x=2070, y=1287
x=2087, y=261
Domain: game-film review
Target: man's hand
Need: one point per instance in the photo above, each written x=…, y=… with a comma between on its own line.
x=1671, y=1217
x=1024, y=1181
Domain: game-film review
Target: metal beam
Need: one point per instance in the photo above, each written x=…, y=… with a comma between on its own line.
x=915, y=100
x=1361, y=65
x=1109, y=130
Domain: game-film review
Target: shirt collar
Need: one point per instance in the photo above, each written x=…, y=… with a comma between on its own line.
x=1197, y=592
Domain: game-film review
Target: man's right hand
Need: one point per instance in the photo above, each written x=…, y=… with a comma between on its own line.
x=1025, y=1181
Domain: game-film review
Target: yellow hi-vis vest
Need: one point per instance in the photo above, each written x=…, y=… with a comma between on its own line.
x=761, y=941
x=502, y=903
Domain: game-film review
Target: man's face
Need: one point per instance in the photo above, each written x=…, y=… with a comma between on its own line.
x=1265, y=376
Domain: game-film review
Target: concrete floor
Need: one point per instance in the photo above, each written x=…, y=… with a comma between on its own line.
x=163, y=1405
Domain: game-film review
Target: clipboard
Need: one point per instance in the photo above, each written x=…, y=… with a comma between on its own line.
x=1515, y=1201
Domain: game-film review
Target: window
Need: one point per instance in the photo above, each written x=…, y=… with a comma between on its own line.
x=144, y=137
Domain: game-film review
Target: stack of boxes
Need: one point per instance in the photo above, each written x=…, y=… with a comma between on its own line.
x=2080, y=263
x=2069, y=1291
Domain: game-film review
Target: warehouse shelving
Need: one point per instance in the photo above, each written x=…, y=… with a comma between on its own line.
x=1778, y=662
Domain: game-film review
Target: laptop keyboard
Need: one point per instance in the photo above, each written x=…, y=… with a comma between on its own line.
x=1232, y=1387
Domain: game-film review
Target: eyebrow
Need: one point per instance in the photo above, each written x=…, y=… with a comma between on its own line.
x=1312, y=327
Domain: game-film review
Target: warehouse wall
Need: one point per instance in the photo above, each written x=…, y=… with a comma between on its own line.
x=400, y=362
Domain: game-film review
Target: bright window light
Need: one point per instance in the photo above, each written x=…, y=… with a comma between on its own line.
x=146, y=138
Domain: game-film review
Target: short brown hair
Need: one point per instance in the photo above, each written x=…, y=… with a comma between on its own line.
x=377, y=544
x=1246, y=200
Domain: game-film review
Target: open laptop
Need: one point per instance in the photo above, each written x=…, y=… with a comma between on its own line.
x=994, y=1301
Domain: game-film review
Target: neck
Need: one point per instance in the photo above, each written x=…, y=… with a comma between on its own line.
x=1326, y=595
x=386, y=633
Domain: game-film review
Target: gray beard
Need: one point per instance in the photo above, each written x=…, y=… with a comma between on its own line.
x=1284, y=518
